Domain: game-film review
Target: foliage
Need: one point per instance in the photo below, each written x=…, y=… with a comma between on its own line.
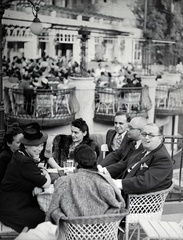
x=164, y=18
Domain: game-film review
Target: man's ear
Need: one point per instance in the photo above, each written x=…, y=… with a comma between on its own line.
x=8, y=144
x=85, y=133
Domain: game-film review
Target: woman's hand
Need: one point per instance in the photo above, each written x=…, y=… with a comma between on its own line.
x=36, y=191
x=44, y=172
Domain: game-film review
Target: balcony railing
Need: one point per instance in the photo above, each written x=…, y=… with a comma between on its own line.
x=175, y=146
x=110, y=100
x=169, y=100
x=47, y=107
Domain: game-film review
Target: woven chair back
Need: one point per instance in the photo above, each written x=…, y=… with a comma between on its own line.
x=103, y=227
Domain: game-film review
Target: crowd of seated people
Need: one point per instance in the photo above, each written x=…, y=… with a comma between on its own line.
x=38, y=71
x=116, y=76
x=140, y=164
x=47, y=67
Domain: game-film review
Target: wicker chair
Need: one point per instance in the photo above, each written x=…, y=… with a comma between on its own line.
x=107, y=101
x=147, y=206
x=102, y=227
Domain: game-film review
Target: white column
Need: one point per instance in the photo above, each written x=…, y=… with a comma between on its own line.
x=175, y=130
x=5, y=50
x=30, y=48
x=91, y=49
x=76, y=51
x=168, y=131
x=52, y=44
x=85, y=96
x=152, y=84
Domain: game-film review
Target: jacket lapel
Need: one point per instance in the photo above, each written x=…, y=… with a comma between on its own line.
x=147, y=158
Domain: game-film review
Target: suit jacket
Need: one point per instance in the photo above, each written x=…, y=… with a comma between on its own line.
x=154, y=173
x=109, y=139
x=126, y=149
x=117, y=168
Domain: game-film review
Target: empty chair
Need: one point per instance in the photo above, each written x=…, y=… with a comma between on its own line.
x=17, y=101
x=43, y=105
x=161, y=96
x=61, y=101
x=107, y=99
x=130, y=102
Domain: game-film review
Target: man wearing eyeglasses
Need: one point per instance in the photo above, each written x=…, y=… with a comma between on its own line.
x=117, y=136
x=114, y=159
x=150, y=170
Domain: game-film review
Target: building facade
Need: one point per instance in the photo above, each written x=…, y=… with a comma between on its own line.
x=113, y=31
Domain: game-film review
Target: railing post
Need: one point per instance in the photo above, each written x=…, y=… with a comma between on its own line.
x=152, y=84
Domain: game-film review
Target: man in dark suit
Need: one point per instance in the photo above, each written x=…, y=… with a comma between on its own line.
x=150, y=170
x=116, y=136
x=132, y=137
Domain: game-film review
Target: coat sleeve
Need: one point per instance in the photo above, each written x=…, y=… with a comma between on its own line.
x=124, y=151
x=4, y=161
x=109, y=138
x=112, y=158
x=54, y=212
x=117, y=168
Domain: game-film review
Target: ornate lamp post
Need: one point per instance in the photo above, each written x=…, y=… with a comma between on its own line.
x=36, y=28
x=84, y=38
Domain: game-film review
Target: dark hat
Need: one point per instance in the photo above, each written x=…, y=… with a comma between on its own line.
x=33, y=136
x=85, y=156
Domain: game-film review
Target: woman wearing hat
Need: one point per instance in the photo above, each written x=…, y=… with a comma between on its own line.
x=18, y=206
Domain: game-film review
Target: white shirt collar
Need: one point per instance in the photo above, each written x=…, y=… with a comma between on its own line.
x=138, y=144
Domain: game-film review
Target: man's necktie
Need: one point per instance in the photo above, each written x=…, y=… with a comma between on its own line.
x=118, y=141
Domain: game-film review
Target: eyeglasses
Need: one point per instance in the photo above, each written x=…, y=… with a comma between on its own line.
x=120, y=123
x=150, y=135
x=132, y=128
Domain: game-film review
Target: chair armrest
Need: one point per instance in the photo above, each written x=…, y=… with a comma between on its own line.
x=104, y=149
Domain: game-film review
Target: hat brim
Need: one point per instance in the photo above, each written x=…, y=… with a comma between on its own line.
x=35, y=142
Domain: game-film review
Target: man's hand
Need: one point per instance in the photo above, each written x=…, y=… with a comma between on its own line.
x=118, y=183
x=102, y=170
